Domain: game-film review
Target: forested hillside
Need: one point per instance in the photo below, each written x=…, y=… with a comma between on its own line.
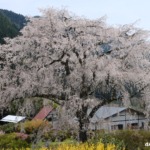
x=10, y=24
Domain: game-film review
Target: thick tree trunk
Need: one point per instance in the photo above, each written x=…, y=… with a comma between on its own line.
x=83, y=135
x=83, y=130
x=83, y=123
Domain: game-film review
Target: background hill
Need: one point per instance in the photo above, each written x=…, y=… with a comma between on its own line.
x=10, y=24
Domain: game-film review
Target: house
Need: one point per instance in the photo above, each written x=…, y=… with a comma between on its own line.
x=12, y=119
x=44, y=113
x=117, y=118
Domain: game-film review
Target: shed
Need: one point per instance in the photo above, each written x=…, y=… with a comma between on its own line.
x=13, y=119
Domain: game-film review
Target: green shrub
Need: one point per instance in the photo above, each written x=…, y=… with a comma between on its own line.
x=8, y=141
x=60, y=135
x=105, y=138
x=133, y=139
x=34, y=125
x=130, y=139
x=8, y=128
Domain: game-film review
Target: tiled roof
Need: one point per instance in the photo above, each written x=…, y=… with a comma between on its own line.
x=106, y=111
x=43, y=113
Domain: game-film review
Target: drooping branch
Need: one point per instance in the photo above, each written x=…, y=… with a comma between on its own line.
x=54, y=61
x=135, y=89
x=77, y=55
x=59, y=59
x=115, y=97
x=108, y=92
x=140, y=90
x=55, y=98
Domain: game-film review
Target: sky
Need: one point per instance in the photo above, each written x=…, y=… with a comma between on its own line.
x=118, y=12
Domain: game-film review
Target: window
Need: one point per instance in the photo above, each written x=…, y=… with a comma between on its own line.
x=120, y=126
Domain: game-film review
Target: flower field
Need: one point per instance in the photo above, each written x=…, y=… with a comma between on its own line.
x=85, y=146
x=81, y=146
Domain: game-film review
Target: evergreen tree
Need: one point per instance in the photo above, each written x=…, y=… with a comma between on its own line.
x=10, y=24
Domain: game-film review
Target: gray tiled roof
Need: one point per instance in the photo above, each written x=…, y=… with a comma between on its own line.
x=106, y=111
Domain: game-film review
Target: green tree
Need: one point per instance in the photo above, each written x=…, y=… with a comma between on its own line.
x=10, y=24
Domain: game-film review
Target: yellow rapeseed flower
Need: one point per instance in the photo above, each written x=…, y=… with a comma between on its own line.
x=100, y=146
x=111, y=147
